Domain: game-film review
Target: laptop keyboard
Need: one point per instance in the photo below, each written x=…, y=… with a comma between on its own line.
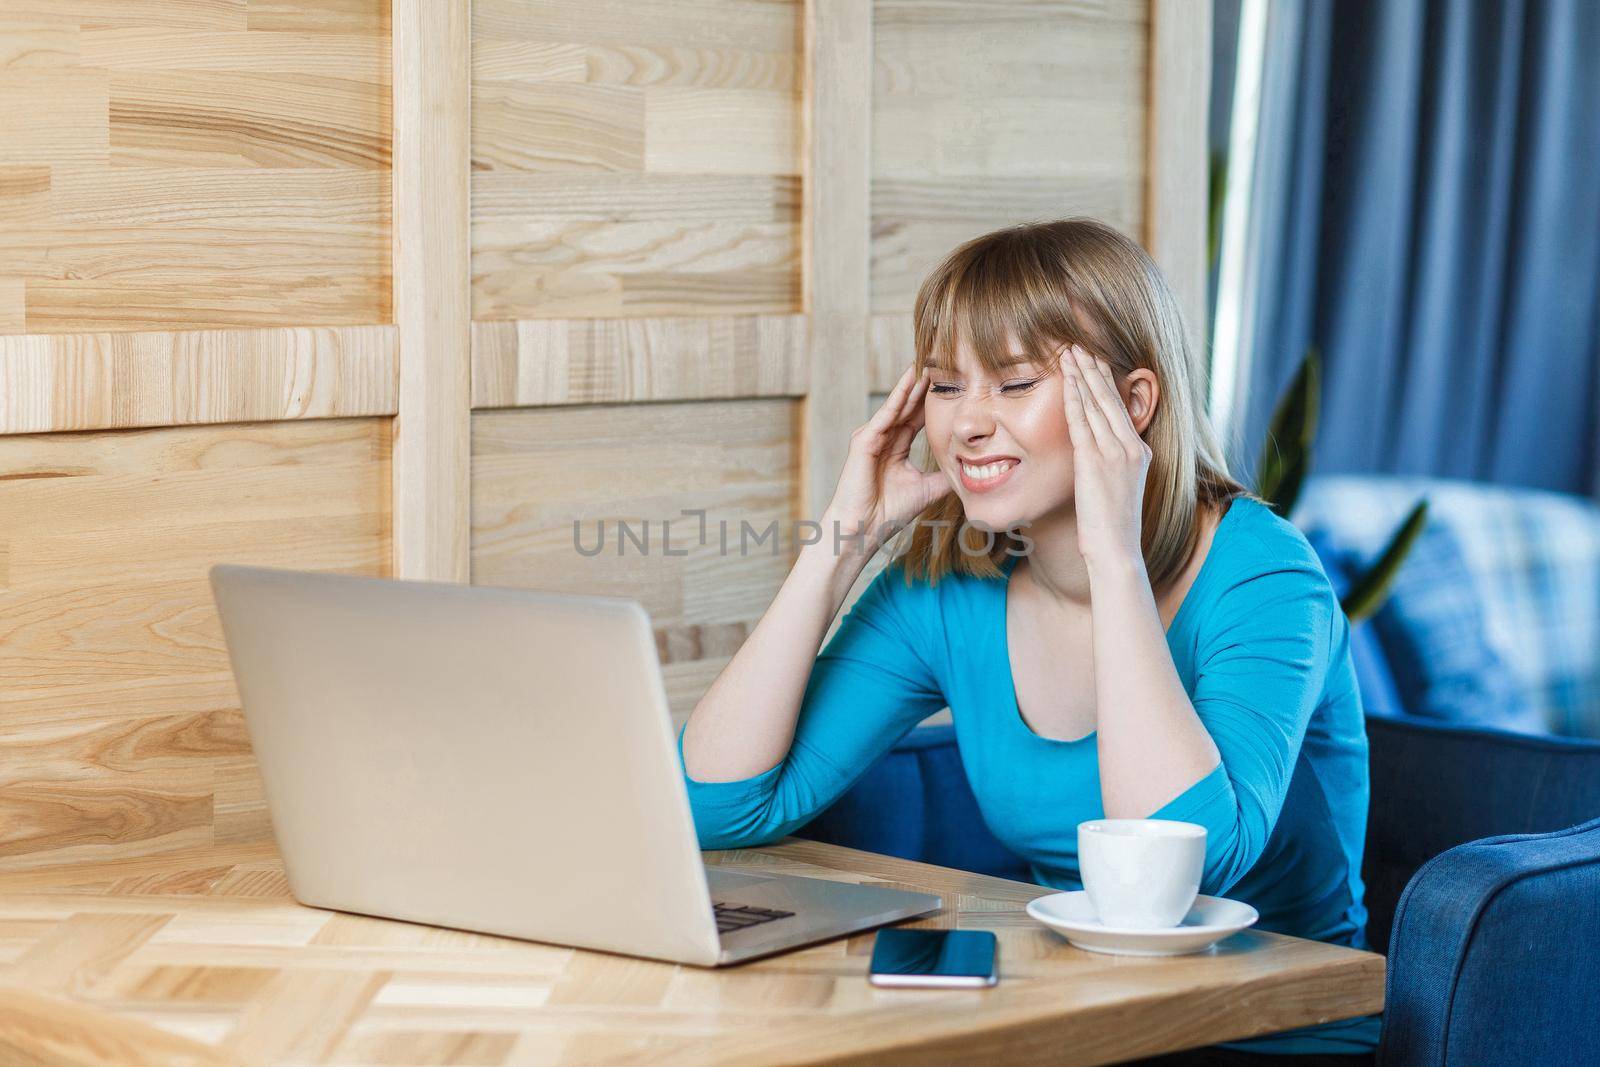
x=732, y=917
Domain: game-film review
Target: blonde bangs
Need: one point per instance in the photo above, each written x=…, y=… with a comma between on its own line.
x=985, y=294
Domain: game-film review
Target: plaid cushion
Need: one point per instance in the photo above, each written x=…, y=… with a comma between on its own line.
x=1532, y=563
x=1432, y=631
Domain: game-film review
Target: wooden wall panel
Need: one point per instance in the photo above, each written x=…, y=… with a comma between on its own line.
x=433, y=317
x=193, y=164
x=1176, y=194
x=109, y=381
x=690, y=243
x=591, y=361
x=989, y=114
x=634, y=158
x=537, y=472
x=118, y=713
x=838, y=180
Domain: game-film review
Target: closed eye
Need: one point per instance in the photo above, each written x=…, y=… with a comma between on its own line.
x=1010, y=388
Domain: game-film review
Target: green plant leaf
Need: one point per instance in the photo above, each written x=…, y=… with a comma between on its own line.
x=1217, y=194
x=1289, y=482
x=1369, y=591
x=1286, y=456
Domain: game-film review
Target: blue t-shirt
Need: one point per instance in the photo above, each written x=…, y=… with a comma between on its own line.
x=1263, y=650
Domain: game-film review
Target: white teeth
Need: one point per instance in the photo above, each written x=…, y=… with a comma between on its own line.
x=991, y=470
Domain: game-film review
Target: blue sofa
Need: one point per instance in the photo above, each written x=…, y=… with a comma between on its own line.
x=1482, y=861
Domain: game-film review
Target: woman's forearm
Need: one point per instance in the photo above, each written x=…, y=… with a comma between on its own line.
x=745, y=723
x=1151, y=743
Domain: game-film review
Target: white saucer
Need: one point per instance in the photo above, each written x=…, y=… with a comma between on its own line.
x=1210, y=920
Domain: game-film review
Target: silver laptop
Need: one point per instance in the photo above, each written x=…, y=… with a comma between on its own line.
x=500, y=760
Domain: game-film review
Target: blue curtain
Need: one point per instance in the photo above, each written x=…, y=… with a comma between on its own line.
x=1427, y=214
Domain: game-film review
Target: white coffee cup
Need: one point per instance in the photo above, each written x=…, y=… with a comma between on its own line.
x=1141, y=874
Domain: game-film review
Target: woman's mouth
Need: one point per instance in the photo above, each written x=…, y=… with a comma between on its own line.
x=989, y=475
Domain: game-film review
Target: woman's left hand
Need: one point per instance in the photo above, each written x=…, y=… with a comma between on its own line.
x=1109, y=461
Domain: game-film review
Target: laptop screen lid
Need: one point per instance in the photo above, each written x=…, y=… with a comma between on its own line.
x=491, y=759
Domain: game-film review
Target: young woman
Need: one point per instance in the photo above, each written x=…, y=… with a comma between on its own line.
x=1119, y=628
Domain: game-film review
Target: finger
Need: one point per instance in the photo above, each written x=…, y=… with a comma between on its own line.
x=1077, y=421
x=1105, y=387
x=902, y=389
x=915, y=409
x=1097, y=372
x=890, y=410
x=912, y=418
x=1104, y=436
x=917, y=393
x=1103, y=403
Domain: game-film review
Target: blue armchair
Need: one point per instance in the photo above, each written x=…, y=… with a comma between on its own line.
x=1485, y=893
x=1482, y=861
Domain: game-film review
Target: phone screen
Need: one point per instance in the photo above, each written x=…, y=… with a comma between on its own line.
x=933, y=957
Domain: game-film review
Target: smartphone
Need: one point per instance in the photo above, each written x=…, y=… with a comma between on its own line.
x=937, y=958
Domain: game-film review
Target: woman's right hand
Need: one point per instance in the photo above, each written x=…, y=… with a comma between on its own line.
x=880, y=489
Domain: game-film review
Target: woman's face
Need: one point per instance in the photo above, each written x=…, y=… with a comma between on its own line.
x=1002, y=440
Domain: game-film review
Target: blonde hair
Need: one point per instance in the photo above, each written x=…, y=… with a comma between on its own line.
x=1072, y=281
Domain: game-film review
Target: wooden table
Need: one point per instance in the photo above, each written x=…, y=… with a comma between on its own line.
x=203, y=958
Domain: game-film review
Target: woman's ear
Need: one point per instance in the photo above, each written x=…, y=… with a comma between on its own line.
x=1141, y=394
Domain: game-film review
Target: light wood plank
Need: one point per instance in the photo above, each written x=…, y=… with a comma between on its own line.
x=916, y=222
x=214, y=119
x=635, y=159
x=1004, y=136
x=44, y=1031
x=528, y=56
x=72, y=130
x=715, y=24
x=329, y=55
x=836, y=228
x=432, y=296
x=596, y=361
x=720, y=131
x=369, y=18
x=103, y=381
x=560, y=126
x=303, y=1016
x=501, y=197
x=1176, y=196
x=13, y=305
x=162, y=14
x=171, y=165
x=992, y=200
x=37, y=40
x=642, y=268
x=152, y=248
x=117, y=704
x=82, y=951
x=1089, y=52
x=894, y=346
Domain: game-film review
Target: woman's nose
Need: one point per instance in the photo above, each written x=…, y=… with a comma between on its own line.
x=974, y=416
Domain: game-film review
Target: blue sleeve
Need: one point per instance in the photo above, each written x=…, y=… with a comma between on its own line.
x=867, y=689
x=1260, y=670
